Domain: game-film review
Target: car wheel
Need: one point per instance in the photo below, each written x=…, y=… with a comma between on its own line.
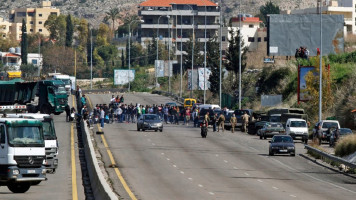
x=161, y=130
x=293, y=154
x=143, y=129
x=260, y=137
x=19, y=187
x=138, y=129
x=264, y=137
x=306, y=141
x=270, y=153
x=156, y=130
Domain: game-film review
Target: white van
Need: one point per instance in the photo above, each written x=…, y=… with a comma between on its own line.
x=209, y=106
x=297, y=129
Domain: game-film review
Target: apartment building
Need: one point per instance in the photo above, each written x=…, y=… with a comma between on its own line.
x=347, y=8
x=176, y=21
x=35, y=19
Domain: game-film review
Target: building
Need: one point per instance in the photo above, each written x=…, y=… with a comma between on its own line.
x=12, y=59
x=35, y=19
x=177, y=21
x=4, y=27
x=347, y=8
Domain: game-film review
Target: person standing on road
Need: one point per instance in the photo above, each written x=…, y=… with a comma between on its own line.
x=221, y=122
x=102, y=117
x=187, y=116
x=67, y=109
x=165, y=112
x=233, y=122
x=245, y=118
x=215, y=118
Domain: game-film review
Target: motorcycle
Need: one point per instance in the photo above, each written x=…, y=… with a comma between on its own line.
x=204, y=129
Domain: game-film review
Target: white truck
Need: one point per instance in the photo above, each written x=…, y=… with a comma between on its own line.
x=22, y=153
x=50, y=138
x=297, y=129
x=66, y=80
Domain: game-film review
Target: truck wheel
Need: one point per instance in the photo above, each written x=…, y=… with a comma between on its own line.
x=45, y=109
x=19, y=187
x=57, y=113
x=35, y=182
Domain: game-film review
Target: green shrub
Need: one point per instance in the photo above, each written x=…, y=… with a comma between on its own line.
x=346, y=146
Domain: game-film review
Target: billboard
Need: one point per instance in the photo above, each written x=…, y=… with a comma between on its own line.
x=123, y=76
x=271, y=100
x=202, y=79
x=164, y=68
x=286, y=33
x=195, y=79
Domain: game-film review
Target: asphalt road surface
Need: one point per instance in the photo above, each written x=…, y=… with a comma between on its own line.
x=179, y=164
x=59, y=185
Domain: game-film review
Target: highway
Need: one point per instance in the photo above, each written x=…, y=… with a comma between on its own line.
x=63, y=184
x=179, y=164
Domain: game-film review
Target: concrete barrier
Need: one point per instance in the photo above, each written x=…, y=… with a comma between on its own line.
x=99, y=185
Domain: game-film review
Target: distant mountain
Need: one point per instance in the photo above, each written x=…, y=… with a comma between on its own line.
x=94, y=10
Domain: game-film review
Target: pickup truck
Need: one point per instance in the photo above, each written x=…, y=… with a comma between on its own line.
x=325, y=126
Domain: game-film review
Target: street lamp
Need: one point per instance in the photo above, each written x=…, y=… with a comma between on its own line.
x=220, y=53
x=205, y=53
x=193, y=40
x=240, y=36
x=128, y=74
x=91, y=59
x=320, y=64
x=157, y=46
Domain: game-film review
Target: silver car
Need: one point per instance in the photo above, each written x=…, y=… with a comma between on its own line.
x=149, y=122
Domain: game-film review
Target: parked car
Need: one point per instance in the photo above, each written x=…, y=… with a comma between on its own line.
x=281, y=144
x=326, y=125
x=149, y=122
x=259, y=125
x=297, y=129
x=203, y=112
x=271, y=129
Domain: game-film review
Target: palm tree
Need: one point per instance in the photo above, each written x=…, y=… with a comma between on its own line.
x=113, y=14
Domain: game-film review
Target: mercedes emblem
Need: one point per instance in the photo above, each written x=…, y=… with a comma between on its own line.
x=30, y=160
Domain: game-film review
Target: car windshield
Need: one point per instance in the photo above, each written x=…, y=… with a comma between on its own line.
x=298, y=124
x=25, y=136
x=48, y=131
x=275, y=118
x=239, y=112
x=204, y=111
x=330, y=125
x=60, y=90
x=151, y=117
x=274, y=125
x=345, y=131
x=282, y=139
x=188, y=102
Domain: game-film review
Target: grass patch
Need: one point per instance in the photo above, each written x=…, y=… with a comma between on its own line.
x=341, y=72
x=346, y=146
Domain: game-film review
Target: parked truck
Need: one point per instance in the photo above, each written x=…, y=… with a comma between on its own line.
x=46, y=96
x=66, y=80
x=22, y=153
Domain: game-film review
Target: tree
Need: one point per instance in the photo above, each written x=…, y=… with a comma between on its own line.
x=103, y=35
x=198, y=58
x=113, y=14
x=268, y=8
x=69, y=31
x=24, y=43
x=108, y=53
x=58, y=58
x=57, y=28
x=212, y=61
x=29, y=70
x=232, y=54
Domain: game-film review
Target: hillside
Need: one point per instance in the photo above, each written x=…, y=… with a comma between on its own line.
x=94, y=10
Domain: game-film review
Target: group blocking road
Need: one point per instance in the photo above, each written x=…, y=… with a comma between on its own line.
x=66, y=183
x=179, y=164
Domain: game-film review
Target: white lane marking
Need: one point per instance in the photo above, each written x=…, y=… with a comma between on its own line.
x=211, y=193
x=340, y=187
x=190, y=179
x=253, y=148
x=247, y=174
x=236, y=168
x=276, y=188
x=162, y=153
x=181, y=172
x=225, y=161
x=174, y=166
x=200, y=185
x=292, y=196
x=260, y=181
x=168, y=159
x=217, y=155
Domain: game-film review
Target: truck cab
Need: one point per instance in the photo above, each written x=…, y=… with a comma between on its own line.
x=22, y=153
x=50, y=138
x=66, y=80
x=52, y=96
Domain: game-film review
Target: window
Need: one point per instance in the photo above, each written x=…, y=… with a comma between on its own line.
x=251, y=39
x=223, y=38
x=251, y=26
x=31, y=22
x=2, y=134
x=265, y=39
x=31, y=30
x=40, y=15
x=31, y=14
x=259, y=39
x=3, y=35
x=40, y=30
x=34, y=61
x=40, y=22
x=21, y=14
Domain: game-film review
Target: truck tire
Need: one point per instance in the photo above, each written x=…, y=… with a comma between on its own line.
x=19, y=187
x=57, y=113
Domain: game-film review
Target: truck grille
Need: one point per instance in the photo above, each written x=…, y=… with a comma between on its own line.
x=62, y=101
x=29, y=161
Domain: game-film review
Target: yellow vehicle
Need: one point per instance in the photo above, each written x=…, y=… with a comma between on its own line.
x=188, y=103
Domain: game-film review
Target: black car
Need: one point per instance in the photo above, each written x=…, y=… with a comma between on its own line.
x=149, y=122
x=282, y=144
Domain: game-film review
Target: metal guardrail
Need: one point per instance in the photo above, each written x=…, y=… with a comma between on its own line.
x=331, y=157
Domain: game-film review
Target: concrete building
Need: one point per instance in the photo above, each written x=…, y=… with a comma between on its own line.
x=169, y=17
x=340, y=7
x=35, y=19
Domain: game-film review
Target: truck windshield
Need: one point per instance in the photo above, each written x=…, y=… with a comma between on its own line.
x=48, y=131
x=65, y=81
x=60, y=90
x=25, y=136
x=298, y=124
